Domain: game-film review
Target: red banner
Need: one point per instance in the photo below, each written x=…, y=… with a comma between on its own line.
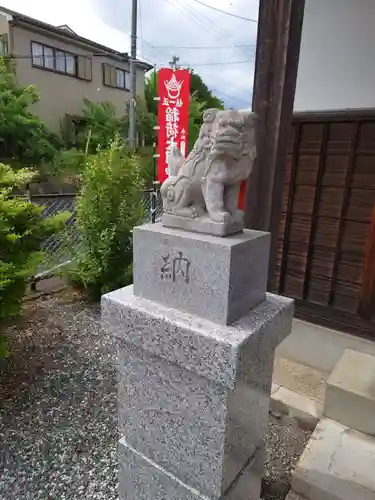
x=242, y=196
x=173, y=115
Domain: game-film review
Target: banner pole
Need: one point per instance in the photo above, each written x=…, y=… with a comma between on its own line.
x=155, y=182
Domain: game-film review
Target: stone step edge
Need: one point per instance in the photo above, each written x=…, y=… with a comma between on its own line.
x=294, y=496
x=285, y=402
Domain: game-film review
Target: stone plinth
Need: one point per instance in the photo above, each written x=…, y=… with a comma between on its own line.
x=219, y=279
x=350, y=393
x=338, y=464
x=193, y=395
x=136, y=471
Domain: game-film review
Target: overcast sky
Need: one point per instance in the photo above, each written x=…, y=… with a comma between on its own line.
x=226, y=63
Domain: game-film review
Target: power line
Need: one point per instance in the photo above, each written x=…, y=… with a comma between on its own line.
x=221, y=63
x=218, y=31
x=219, y=93
x=205, y=19
x=218, y=63
x=231, y=85
x=199, y=47
x=226, y=12
x=197, y=19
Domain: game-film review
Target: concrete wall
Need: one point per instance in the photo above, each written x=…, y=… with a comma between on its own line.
x=336, y=69
x=61, y=94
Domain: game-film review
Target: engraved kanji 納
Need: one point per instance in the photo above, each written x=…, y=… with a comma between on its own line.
x=181, y=267
x=166, y=268
x=174, y=268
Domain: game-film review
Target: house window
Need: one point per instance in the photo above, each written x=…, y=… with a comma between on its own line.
x=49, y=57
x=60, y=64
x=60, y=61
x=70, y=64
x=120, y=79
x=37, y=50
x=3, y=45
x=116, y=77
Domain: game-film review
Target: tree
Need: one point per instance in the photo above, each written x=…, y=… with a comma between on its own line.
x=151, y=91
x=22, y=231
x=203, y=93
x=24, y=139
x=196, y=110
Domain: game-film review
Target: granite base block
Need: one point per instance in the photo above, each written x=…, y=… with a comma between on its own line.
x=204, y=224
x=143, y=479
x=219, y=279
x=197, y=429
x=193, y=395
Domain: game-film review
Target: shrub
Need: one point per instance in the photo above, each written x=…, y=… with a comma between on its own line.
x=99, y=125
x=108, y=207
x=22, y=230
x=24, y=139
x=66, y=167
x=147, y=166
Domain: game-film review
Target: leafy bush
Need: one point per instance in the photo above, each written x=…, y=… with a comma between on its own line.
x=100, y=125
x=66, y=167
x=22, y=230
x=108, y=208
x=24, y=139
x=147, y=165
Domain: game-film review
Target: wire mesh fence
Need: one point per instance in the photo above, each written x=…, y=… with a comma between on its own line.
x=59, y=249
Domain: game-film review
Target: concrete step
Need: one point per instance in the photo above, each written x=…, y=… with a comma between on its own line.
x=299, y=378
x=294, y=496
x=298, y=391
x=305, y=410
x=337, y=464
x=350, y=392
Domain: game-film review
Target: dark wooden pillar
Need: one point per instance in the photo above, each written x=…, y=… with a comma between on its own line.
x=367, y=299
x=277, y=56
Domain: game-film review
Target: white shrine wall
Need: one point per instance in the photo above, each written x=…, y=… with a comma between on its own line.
x=337, y=60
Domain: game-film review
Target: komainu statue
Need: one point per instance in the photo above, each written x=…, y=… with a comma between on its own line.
x=201, y=193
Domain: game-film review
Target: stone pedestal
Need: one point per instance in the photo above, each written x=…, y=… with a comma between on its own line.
x=194, y=393
x=219, y=279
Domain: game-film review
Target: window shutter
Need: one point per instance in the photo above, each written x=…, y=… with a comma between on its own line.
x=113, y=80
x=81, y=67
x=89, y=68
x=106, y=74
x=84, y=68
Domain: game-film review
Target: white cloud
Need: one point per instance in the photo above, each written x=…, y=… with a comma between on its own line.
x=168, y=23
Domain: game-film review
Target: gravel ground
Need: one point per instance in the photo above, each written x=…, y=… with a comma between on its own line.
x=58, y=410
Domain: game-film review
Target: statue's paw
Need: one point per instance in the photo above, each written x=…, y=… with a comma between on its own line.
x=197, y=212
x=170, y=195
x=222, y=217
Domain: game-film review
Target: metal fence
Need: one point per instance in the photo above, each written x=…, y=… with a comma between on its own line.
x=59, y=249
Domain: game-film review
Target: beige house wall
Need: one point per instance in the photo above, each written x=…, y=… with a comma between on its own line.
x=4, y=24
x=63, y=94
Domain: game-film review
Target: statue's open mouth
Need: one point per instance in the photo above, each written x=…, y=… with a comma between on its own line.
x=226, y=148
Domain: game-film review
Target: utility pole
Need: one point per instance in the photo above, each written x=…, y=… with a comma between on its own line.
x=133, y=78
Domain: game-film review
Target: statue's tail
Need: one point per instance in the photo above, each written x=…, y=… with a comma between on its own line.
x=175, y=160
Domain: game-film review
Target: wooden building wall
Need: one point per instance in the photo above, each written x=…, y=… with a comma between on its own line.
x=326, y=256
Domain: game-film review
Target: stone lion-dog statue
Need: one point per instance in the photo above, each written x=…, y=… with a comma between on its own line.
x=201, y=192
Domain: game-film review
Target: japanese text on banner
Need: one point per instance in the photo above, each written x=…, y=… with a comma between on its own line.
x=173, y=115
